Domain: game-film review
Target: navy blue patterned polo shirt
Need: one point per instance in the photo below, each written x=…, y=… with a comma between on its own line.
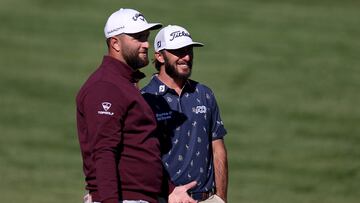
x=188, y=124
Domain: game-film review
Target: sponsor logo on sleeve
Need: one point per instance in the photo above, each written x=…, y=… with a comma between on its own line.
x=106, y=106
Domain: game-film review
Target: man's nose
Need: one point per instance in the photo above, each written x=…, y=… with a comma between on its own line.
x=186, y=56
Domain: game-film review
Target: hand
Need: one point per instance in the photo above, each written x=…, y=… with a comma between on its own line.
x=87, y=198
x=180, y=195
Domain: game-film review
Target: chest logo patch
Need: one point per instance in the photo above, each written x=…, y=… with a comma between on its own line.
x=163, y=116
x=199, y=109
x=162, y=88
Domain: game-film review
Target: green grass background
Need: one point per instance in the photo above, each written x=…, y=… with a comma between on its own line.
x=285, y=73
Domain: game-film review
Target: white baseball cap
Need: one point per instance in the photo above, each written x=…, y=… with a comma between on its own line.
x=127, y=21
x=174, y=37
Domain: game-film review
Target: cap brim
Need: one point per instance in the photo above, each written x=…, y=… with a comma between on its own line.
x=194, y=44
x=155, y=26
x=149, y=26
x=197, y=44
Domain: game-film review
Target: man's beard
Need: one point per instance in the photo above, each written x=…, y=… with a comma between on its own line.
x=174, y=73
x=133, y=59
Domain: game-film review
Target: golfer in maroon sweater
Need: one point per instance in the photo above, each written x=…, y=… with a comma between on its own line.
x=116, y=127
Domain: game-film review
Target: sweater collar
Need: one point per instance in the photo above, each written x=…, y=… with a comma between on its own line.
x=119, y=67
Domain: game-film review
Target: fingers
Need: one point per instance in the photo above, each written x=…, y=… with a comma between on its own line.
x=180, y=195
x=185, y=201
x=189, y=185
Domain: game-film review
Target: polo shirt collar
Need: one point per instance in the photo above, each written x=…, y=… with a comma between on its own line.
x=160, y=88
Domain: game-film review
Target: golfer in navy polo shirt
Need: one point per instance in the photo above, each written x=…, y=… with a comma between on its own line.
x=188, y=118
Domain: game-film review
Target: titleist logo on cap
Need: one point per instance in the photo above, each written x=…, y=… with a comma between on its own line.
x=177, y=34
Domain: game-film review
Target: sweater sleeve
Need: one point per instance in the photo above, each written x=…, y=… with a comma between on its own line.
x=104, y=112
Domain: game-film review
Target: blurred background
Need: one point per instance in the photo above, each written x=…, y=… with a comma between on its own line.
x=285, y=74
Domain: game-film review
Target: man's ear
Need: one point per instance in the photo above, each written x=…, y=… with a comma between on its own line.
x=159, y=56
x=115, y=43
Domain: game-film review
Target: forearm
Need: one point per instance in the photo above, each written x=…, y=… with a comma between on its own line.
x=220, y=168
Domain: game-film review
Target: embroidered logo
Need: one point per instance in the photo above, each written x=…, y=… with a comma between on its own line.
x=106, y=106
x=163, y=116
x=199, y=109
x=162, y=88
x=177, y=34
x=138, y=16
x=115, y=29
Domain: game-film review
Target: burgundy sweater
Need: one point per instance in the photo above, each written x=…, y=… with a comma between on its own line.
x=121, y=155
